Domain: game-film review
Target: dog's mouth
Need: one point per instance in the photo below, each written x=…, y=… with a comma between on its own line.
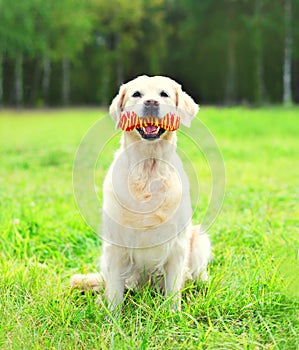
x=151, y=132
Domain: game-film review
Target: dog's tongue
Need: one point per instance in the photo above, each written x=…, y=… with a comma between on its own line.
x=150, y=129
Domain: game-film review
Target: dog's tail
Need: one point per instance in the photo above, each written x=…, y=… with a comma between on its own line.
x=90, y=281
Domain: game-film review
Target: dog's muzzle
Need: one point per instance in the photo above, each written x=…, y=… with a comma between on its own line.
x=151, y=107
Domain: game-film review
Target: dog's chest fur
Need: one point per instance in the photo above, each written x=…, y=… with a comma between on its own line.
x=156, y=190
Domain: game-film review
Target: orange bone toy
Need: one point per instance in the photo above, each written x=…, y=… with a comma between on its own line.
x=129, y=121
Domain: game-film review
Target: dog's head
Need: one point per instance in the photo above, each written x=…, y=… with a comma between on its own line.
x=155, y=97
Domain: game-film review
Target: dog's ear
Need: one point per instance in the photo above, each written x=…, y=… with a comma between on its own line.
x=186, y=106
x=117, y=104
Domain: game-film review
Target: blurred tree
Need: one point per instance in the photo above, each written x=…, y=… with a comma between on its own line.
x=16, y=37
x=1, y=76
x=151, y=47
x=287, y=63
x=42, y=18
x=230, y=23
x=228, y=51
x=295, y=66
x=185, y=43
x=117, y=26
x=70, y=29
x=2, y=50
x=204, y=54
x=258, y=18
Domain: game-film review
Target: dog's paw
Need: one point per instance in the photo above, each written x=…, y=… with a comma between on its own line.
x=90, y=281
x=204, y=277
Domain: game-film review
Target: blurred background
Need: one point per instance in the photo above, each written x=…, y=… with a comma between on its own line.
x=77, y=52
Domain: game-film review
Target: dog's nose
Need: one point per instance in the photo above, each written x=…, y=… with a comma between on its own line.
x=151, y=103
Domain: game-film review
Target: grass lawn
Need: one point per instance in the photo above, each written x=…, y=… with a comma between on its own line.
x=251, y=299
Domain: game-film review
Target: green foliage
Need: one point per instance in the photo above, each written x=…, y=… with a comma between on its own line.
x=55, y=28
x=70, y=27
x=251, y=299
x=222, y=51
x=17, y=26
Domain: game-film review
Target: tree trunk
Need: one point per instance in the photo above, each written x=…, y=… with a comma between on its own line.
x=66, y=75
x=230, y=88
x=1, y=80
x=19, y=80
x=35, y=84
x=119, y=63
x=105, y=85
x=105, y=78
x=46, y=80
x=287, y=64
x=230, y=83
x=120, y=72
x=260, y=93
x=259, y=74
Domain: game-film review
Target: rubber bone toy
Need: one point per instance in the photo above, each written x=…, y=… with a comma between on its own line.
x=129, y=120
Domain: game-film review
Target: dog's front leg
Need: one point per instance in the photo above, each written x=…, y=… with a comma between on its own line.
x=114, y=290
x=174, y=278
x=112, y=268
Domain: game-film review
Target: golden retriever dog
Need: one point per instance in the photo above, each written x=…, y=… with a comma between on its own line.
x=147, y=231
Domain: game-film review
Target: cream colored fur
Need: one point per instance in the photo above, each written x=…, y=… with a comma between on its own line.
x=147, y=231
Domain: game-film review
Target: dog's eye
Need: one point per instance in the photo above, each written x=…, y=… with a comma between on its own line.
x=164, y=94
x=136, y=94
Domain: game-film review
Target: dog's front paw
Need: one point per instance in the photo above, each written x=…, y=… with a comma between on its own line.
x=204, y=277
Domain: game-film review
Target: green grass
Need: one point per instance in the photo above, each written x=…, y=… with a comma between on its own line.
x=251, y=299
